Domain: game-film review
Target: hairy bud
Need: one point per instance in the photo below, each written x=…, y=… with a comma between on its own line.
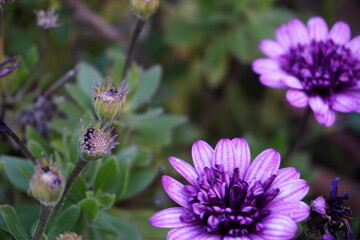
x=69, y=236
x=143, y=9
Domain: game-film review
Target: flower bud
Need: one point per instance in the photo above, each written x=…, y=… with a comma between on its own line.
x=69, y=236
x=109, y=100
x=95, y=141
x=143, y=9
x=47, y=183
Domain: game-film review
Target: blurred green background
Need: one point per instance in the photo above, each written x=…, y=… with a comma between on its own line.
x=208, y=90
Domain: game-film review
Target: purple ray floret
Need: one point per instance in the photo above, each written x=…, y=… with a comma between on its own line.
x=229, y=197
x=320, y=67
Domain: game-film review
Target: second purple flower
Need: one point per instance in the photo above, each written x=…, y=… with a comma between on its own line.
x=320, y=67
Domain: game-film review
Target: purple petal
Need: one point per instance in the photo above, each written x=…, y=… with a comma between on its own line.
x=319, y=205
x=185, y=169
x=354, y=44
x=185, y=233
x=296, y=210
x=298, y=32
x=282, y=36
x=265, y=164
x=265, y=65
x=340, y=33
x=285, y=174
x=202, y=155
x=243, y=154
x=318, y=29
x=271, y=48
x=344, y=103
x=297, y=98
x=318, y=105
x=273, y=80
x=292, y=190
x=278, y=227
x=175, y=190
x=292, y=82
x=206, y=236
x=327, y=119
x=225, y=155
x=168, y=218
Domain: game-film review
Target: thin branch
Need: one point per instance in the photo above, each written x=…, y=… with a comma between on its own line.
x=69, y=74
x=43, y=220
x=5, y=129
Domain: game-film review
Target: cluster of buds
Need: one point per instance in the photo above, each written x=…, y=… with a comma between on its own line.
x=47, y=19
x=69, y=236
x=96, y=141
x=109, y=100
x=143, y=9
x=329, y=218
x=47, y=182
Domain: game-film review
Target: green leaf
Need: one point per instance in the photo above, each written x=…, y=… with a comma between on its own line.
x=90, y=206
x=65, y=221
x=12, y=222
x=78, y=189
x=15, y=169
x=148, y=84
x=143, y=158
x=32, y=134
x=139, y=179
x=86, y=77
x=106, y=200
x=106, y=175
x=79, y=96
x=35, y=148
x=216, y=61
x=113, y=226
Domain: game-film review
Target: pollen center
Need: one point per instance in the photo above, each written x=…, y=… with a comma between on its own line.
x=323, y=67
x=227, y=205
x=95, y=141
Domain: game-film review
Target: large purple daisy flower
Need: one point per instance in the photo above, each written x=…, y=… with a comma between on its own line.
x=321, y=68
x=229, y=198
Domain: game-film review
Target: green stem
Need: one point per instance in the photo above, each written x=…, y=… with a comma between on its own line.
x=43, y=220
x=79, y=166
x=299, y=134
x=5, y=129
x=138, y=28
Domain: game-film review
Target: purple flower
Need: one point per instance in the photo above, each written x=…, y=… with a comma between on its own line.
x=5, y=70
x=230, y=198
x=320, y=67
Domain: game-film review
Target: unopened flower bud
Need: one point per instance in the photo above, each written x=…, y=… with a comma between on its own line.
x=143, y=9
x=69, y=236
x=47, y=19
x=96, y=141
x=47, y=183
x=109, y=100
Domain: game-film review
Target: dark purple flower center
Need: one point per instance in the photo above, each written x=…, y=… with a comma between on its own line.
x=323, y=68
x=226, y=204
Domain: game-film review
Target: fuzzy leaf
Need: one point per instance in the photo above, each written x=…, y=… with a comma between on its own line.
x=12, y=222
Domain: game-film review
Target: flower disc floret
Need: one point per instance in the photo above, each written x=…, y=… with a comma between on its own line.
x=320, y=67
x=228, y=197
x=96, y=141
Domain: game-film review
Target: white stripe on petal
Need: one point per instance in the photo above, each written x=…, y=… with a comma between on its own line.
x=265, y=65
x=296, y=210
x=298, y=32
x=354, y=44
x=185, y=169
x=225, y=155
x=327, y=119
x=344, y=103
x=185, y=233
x=168, y=218
x=318, y=105
x=264, y=165
x=271, y=48
x=318, y=29
x=202, y=155
x=243, y=154
x=273, y=80
x=293, y=190
x=340, y=33
x=278, y=227
x=282, y=36
x=175, y=190
x=297, y=98
x=292, y=82
x=285, y=174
